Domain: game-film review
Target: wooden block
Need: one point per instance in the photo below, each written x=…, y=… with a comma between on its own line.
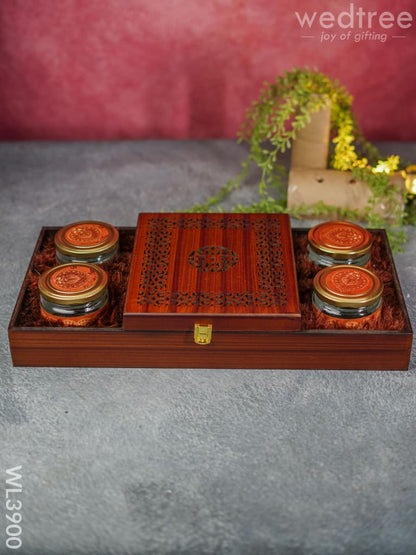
x=339, y=189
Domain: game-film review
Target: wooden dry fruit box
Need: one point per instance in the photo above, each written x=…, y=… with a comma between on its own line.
x=211, y=291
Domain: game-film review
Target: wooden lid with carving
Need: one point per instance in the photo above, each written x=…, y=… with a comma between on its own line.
x=235, y=271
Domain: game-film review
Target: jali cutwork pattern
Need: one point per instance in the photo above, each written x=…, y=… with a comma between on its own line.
x=153, y=289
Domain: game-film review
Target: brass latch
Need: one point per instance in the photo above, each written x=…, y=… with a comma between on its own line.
x=202, y=334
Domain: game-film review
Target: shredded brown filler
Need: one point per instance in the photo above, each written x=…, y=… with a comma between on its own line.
x=392, y=317
x=118, y=272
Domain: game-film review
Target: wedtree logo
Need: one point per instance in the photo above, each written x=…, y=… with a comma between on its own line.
x=354, y=24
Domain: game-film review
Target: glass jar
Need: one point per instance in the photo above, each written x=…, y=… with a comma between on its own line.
x=73, y=294
x=90, y=241
x=339, y=242
x=348, y=294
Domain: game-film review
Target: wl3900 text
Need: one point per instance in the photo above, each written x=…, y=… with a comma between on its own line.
x=13, y=508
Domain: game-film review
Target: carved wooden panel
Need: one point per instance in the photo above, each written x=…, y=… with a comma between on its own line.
x=219, y=264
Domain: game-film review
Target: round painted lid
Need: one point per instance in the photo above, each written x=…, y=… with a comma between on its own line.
x=347, y=286
x=74, y=283
x=339, y=239
x=87, y=238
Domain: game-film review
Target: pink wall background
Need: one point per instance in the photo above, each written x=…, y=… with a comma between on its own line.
x=128, y=69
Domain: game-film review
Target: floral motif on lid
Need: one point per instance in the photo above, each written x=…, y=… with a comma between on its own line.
x=340, y=239
x=348, y=286
x=87, y=238
x=73, y=283
x=88, y=233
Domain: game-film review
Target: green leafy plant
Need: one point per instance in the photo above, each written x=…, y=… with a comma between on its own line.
x=272, y=124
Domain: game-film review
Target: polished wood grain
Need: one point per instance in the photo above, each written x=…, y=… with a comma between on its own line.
x=236, y=271
x=117, y=347
x=337, y=349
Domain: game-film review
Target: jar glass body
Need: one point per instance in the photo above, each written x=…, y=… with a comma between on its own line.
x=63, y=258
x=344, y=312
x=75, y=314
x=326, y=260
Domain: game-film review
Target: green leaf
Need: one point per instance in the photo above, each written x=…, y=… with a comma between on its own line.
x=272, y=123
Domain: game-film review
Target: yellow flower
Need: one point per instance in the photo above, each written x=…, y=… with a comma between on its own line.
x=387, y=166
x=360, y=163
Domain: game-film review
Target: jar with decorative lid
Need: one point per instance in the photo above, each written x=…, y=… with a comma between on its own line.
x=339, y=242
x=73, y=294
x=92, y=242
x=348, y=294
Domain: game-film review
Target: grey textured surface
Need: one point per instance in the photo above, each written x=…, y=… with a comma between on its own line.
x=132, y=461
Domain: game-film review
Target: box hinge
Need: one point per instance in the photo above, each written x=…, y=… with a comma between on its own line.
x=202, y=334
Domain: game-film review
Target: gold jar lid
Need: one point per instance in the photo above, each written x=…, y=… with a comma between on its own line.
x=86, y=239
x=340, y=240
x=74, y=283
x=347, y=286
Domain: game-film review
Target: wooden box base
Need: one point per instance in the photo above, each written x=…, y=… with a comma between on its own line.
x=112, y=346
